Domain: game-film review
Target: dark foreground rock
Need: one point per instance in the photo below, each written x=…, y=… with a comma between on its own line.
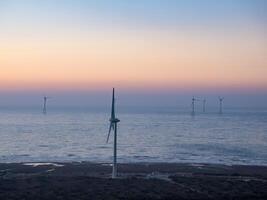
x=136, y=181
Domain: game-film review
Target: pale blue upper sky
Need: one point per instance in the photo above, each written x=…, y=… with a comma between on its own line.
x=160, y=13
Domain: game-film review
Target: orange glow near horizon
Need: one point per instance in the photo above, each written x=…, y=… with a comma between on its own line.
x=134, y=60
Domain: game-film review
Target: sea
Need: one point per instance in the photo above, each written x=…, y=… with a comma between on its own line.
x=145, y=134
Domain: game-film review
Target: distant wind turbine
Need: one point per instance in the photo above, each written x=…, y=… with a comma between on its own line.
x=221, y=100
x=45, y=102
x=113, y=126
x=193, y=105
x=204, y=105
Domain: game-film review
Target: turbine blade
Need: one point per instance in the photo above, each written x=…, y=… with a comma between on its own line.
x=113, y=105
x=110, y=127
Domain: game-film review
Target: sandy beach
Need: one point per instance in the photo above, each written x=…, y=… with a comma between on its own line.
x=84, y=180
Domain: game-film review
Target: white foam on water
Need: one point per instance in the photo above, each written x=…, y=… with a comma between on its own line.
x=106, y=164
x=43, y=164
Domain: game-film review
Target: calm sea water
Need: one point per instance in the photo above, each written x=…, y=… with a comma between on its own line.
x=238, y=136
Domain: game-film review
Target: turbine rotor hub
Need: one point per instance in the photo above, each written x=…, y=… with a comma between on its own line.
x=114, y=120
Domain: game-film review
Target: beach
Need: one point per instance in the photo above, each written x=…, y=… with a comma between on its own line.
x=85, y=180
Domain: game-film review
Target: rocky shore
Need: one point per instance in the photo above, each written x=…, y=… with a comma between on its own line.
x=84, y=180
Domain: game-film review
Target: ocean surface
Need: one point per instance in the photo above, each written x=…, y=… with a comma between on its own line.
x=238, y=136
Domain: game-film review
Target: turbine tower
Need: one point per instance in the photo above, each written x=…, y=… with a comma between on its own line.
x=113, y=126
x=221, y=100
x=193, y=106
x=204, y=105
x=44, y=108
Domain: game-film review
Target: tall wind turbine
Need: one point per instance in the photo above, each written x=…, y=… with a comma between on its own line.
x=204, y=105
x=113, y=126
x=221, y=100
x=45, y=100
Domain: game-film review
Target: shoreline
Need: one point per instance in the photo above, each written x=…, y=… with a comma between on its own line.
x=136, y=162
x=86, y=180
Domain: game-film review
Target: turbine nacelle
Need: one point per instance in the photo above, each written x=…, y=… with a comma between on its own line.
x=116, y=120
x=195, y=99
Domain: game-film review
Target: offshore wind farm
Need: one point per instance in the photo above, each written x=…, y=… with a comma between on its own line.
x=146, y=134
x=188, y=119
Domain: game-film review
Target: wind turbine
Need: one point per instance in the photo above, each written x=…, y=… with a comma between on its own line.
x=204, y=105
x=221, y=100
x=113, y=126
x=193, y=105
x=45, y=100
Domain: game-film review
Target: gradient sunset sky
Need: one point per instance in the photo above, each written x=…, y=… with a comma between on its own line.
x=148, y=45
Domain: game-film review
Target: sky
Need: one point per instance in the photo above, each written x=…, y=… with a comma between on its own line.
x=152, y=51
